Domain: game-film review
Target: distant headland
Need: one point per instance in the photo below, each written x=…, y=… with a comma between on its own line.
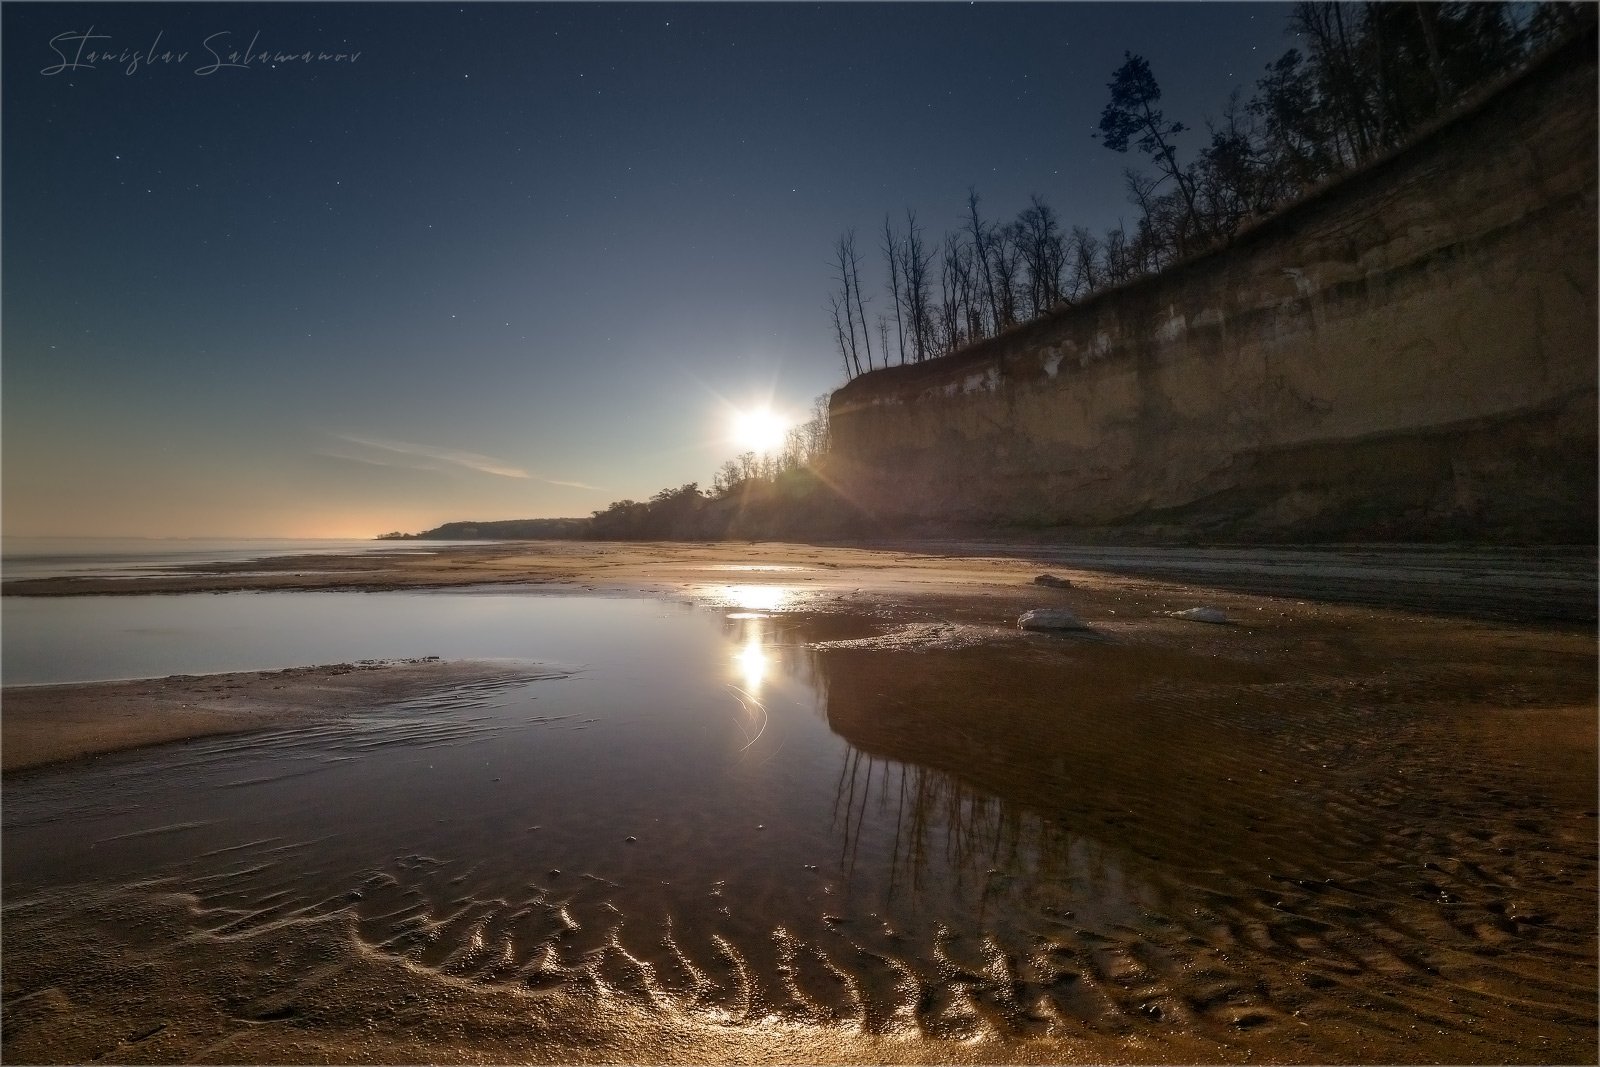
x=502, y=529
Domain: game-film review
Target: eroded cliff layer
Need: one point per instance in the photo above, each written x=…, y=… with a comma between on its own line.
x=1410, y=354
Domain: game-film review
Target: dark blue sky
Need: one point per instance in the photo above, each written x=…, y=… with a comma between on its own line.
x=514, y=259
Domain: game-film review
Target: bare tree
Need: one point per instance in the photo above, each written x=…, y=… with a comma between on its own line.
x=891, y=251
x=1086, y=276
x=749, y=466
x=844, y=255
x=1044, y=252
x=838, y=333
x=951, y=293
x=915, y=263
x=815, y=429
x=1118, y=265
x=978, y=235
x=1339, y=77
x=727, y=478
x=1159, y=235
x=855, y=286
x=975, y=323
x=1004, y=250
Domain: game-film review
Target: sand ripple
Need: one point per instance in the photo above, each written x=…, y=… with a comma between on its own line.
x=1489, y=937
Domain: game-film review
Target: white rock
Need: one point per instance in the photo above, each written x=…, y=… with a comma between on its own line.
x=1200, y=615
x=1051, y=619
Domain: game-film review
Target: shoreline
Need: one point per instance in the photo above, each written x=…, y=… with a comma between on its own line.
x=1125, y=595
x=1505, y=584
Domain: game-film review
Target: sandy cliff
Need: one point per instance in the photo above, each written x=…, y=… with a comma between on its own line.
x=1409, y=354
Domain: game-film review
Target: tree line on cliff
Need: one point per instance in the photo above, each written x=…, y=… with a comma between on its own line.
x=1368, y=78
x=782, y=493
x=756, y=495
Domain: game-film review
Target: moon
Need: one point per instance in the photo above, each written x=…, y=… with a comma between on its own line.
x=759, y=430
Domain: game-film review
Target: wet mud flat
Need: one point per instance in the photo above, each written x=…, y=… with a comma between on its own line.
x=764, y=825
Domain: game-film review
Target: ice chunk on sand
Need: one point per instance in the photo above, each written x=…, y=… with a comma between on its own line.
x=1051, y=619
x=1200, y=615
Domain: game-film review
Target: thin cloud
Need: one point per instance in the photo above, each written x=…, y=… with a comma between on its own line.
x=572, y=485
x=376, y=461
x=470, y=460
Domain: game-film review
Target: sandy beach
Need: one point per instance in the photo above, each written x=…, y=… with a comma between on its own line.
x=983, y=534
x=1317, y=831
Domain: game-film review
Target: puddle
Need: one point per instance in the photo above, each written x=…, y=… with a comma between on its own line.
x=742, y=813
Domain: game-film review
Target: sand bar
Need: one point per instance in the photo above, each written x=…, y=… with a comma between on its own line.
x=49, y=724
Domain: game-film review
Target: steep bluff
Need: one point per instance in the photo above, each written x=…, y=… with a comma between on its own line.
x=1409, y=354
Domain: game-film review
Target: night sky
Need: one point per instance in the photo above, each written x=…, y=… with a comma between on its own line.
x=512, y=261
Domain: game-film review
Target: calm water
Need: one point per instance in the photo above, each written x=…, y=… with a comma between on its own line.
x=679, y=793
x=50, y=557
x=713, y=810
x=76, y=639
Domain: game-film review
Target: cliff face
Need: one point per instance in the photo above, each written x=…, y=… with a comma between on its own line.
x=1409, y=354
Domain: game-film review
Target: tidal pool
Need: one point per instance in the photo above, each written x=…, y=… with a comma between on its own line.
x=749, y=815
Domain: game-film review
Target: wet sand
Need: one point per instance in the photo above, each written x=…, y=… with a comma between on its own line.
x=1317, y=833
x=47, y=724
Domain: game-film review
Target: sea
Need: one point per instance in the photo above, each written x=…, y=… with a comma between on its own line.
x=134, y=557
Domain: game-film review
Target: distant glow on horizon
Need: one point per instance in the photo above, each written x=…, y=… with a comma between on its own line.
x=758, y=430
